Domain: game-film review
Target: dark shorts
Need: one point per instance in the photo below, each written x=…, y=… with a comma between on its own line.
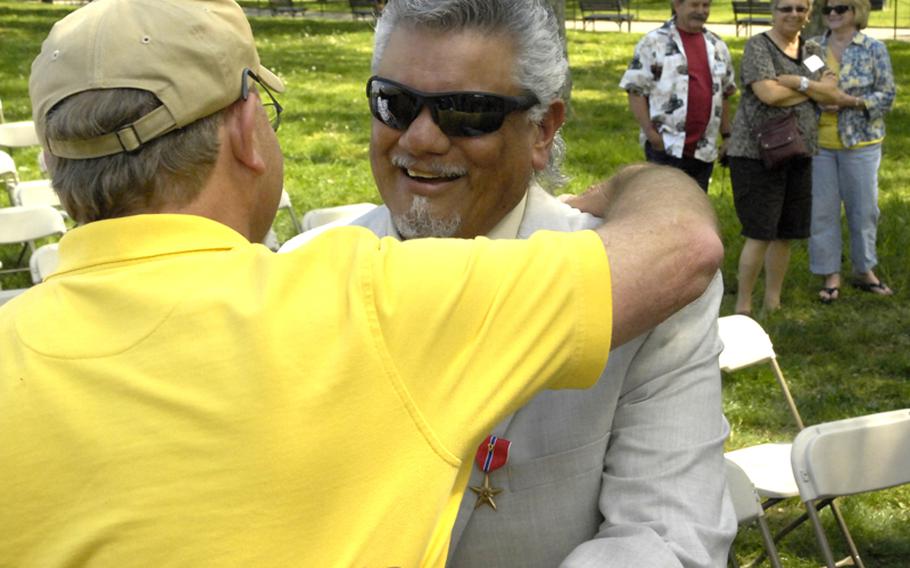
x=697, y=170
x=772, y=204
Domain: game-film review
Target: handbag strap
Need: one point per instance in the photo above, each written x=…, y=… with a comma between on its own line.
x=777, y=71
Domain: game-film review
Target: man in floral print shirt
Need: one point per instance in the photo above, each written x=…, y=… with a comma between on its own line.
x=678, y=83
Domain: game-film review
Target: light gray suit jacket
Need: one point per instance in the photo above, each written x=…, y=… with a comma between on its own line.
x=629, y=473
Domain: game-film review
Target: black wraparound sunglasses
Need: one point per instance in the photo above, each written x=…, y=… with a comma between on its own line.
x=457, y=113
x=842, y=9
x=791, y=9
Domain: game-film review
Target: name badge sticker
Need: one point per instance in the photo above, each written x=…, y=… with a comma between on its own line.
x=813, y=63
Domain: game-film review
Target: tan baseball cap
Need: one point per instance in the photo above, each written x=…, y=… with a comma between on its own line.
x=191, y=54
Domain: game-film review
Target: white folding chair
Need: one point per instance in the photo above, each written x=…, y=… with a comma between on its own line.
x=25, y=225
x=33, y=192
x=322, y=216
x=846, y=457
x=285, y=203
x=9, y=177
x=36, y=192
x=19, y=134
x=767, y=465
x=43, y=262
x=318, y=221
x=748, y=509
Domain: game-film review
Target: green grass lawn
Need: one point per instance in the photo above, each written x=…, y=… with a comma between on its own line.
x=842, y=360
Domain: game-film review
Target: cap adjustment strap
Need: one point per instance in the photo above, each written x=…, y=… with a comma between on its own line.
x=127, y=139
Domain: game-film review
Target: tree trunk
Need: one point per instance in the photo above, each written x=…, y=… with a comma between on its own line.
x=816, y=24
x=559, y=8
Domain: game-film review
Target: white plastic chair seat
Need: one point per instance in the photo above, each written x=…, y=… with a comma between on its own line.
x=18, y=134
x=768, y=467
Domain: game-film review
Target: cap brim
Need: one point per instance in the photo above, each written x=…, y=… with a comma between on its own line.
x=270, y=79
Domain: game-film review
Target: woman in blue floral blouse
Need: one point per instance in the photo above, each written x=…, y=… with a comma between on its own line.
x=850, y=150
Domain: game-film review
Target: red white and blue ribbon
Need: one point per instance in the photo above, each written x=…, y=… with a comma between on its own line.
x=492, y=454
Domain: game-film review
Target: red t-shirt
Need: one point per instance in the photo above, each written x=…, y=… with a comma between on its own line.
x=698, y=106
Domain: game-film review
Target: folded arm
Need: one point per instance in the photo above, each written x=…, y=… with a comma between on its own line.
x=784, y=91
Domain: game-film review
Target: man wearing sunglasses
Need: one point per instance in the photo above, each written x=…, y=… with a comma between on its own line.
x=175, y=395
x=678, y=83
x=464, y=96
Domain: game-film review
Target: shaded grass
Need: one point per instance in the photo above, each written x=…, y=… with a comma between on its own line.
x=842, y=360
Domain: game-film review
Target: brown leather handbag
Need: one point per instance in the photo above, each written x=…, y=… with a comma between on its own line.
x=780, y=140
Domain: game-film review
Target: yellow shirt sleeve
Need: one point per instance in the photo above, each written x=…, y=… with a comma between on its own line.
x=474, y=328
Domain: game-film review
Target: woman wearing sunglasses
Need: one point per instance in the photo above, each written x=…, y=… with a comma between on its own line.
x=850, y=140
x=780, y=75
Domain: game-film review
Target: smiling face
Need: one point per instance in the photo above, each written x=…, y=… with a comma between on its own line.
x=439, y=185
x=846, y=20
x=787, y=19
x=691, y=15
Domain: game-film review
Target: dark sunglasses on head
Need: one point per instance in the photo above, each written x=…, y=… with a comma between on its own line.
x=791, y=9
x=272, y=109
x=457, y=113
x=842, y=9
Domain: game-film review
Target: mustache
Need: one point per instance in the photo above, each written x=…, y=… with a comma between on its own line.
x=434, y=167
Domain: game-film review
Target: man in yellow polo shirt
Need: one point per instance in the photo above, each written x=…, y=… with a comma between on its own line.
x=177, y=396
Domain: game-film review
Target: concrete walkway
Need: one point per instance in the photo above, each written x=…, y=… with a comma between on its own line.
x=723, y=30
x=729, y=30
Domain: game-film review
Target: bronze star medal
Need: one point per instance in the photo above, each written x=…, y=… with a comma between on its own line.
x=492, y=454
x=485, y=493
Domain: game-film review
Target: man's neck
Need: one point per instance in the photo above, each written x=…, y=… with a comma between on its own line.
x=682, y=30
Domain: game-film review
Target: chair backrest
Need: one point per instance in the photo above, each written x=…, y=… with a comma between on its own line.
x=9, y=177
x=322, y=216
x=746, y=501
x=37, y=192
x=18, y=134
x=43, y=262
x=855, y=455
x=7, y=165
x=745, y=343
x=23, y=224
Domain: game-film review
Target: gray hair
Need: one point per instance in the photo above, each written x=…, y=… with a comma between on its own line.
x=541, y=66
x=168, y=170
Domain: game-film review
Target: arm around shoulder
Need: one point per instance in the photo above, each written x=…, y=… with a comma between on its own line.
x=662, y=240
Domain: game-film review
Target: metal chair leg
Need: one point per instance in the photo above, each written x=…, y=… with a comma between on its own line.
x=842, y=525
x=820, y=535
x=766, y=537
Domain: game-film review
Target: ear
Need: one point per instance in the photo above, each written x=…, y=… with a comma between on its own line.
x=241, y=122
x=546, y=131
